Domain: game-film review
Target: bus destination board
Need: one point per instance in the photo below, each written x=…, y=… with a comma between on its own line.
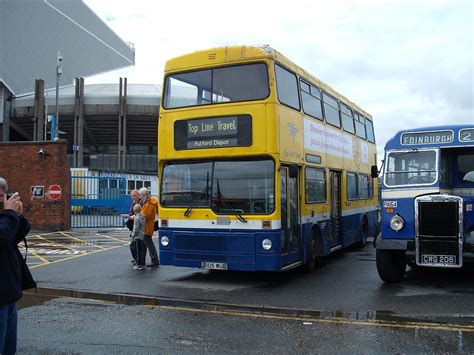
x=213, y=132
x=434, y=137
x=466, y=135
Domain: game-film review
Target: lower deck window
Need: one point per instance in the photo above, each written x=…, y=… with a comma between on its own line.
x=315, y=185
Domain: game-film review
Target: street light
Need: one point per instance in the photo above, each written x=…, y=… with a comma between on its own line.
x=59, y=71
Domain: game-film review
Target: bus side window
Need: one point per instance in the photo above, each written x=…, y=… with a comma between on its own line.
x=352, y=186
x=331, y=110
x=363, y=180
x=287, y=87
x=315, y=185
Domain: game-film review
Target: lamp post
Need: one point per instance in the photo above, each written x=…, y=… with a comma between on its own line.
x=59, y=71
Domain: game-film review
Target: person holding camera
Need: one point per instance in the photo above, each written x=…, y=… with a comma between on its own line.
x=13, y=229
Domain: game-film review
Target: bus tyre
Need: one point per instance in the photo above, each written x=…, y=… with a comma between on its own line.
x=391, y=265
x=314, y=257
x=364, y=233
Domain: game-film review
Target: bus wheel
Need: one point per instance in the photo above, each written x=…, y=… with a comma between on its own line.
x=391, y=265
x=364, y=233
x=314, y=253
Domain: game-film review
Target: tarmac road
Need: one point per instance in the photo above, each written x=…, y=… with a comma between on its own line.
x=95, y=301
x=90, y=326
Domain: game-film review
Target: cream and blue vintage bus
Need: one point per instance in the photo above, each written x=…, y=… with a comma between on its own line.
x=262, y=166
x=427, y=200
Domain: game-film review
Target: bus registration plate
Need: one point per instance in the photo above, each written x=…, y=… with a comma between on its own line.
x=438, y=259
x=214, y=266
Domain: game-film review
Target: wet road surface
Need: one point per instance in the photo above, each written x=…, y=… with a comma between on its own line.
x=341, y=307
x=90, y=326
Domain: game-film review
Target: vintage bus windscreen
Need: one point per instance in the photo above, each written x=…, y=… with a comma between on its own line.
x=217, y=85
x=411, y=168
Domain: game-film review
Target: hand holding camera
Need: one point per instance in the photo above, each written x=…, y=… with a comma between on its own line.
x=13, y=203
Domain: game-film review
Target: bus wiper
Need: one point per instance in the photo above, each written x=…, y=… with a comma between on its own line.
x=203, y=193
x=224, y=199
x=240, y=217
x=397, y=154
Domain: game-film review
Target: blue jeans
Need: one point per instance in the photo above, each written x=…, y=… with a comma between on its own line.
x=8, y=326
x=137, y=248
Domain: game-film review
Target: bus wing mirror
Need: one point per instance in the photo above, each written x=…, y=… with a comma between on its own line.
x=374, y=171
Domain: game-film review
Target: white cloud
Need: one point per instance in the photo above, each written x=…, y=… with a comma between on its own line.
x=408, y=63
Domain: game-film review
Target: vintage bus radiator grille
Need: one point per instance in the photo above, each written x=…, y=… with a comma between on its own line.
x=439, y=247
x=438, y=219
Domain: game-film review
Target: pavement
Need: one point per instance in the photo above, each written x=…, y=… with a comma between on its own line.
x=344, y=300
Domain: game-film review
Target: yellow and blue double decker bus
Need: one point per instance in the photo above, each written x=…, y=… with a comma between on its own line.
x=262, y=166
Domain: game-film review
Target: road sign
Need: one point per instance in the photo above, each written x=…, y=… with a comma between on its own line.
x=55, y=192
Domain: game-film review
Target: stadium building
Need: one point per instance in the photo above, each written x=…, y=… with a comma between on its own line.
x=110, y=129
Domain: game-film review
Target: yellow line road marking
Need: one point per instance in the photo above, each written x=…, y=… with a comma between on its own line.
x=43, y=259
x=61, y=245
x=76, y=256
x=337, y=321
x=374, y=323
x=82, y=241
x=109, y=237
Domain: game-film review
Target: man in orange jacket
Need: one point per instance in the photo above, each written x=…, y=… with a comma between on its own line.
x=150, y=210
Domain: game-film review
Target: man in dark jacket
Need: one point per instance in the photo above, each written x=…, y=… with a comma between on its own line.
x=13, y=229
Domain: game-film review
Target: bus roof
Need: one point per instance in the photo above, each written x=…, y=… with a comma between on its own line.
x=433, y=137
x=224, y=55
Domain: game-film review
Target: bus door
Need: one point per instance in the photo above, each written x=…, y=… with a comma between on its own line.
x=290, y=216
x=336, y=214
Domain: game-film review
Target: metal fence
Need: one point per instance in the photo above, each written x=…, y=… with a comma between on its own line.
x=98, y=202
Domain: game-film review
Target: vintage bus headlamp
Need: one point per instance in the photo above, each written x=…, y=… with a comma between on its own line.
x=266, y=244
x=164, y=241
x=397, y=223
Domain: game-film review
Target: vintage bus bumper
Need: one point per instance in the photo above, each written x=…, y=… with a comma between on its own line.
x=225, y=250
x=409, y=248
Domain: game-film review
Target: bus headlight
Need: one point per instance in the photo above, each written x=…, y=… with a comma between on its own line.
x=397, y=223
x=266, y=244
x=164, y=241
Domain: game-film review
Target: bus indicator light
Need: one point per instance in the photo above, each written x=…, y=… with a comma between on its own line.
x=389, y=210
x=267, y=224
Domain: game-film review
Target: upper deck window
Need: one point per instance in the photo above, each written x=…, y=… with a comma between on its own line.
x=331, y=110
x=347, y=120
x=218, y=85
x=360, y=126
x=311, y=97
x=287, y=87
x=411, y=168
x=370, y=131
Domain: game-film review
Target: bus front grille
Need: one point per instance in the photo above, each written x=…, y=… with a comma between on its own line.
x=438, y=218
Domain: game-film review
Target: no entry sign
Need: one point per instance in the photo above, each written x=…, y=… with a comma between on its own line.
x=55, y=192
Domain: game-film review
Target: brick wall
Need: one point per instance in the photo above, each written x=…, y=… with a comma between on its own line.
x=23, y=168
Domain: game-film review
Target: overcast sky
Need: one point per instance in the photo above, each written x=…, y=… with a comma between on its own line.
x=408, y=63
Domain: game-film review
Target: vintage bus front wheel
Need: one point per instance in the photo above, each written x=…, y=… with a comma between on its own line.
x=391, y=265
